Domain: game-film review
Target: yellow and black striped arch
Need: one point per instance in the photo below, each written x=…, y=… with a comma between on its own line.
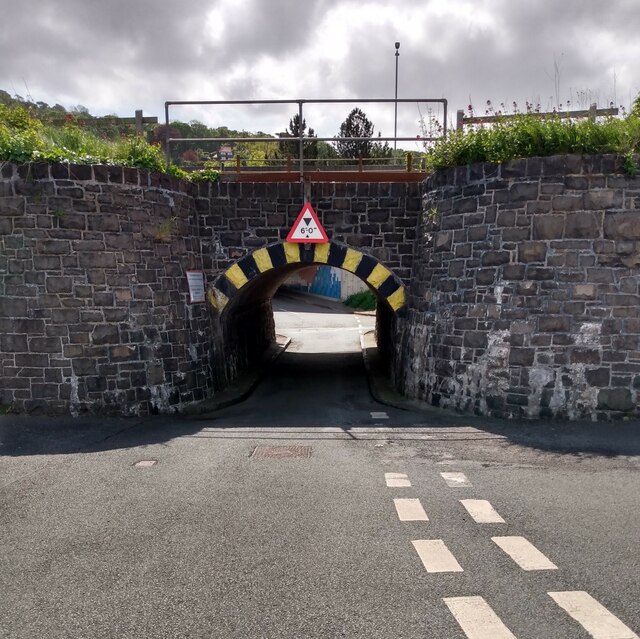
x=368, y=268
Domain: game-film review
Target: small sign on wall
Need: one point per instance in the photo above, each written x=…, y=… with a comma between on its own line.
x=195, y=279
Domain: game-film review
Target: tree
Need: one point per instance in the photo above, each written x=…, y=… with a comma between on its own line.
x=379, y=150
x=310, y=149
x=357, y=125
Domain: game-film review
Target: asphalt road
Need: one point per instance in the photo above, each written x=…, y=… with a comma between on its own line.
x=216, y=539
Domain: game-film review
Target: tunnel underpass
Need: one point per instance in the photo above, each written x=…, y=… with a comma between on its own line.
x=243, y=298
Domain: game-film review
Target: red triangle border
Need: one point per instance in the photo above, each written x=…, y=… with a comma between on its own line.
x=308, y=209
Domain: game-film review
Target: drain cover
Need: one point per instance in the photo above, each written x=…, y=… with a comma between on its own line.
x=281, y=452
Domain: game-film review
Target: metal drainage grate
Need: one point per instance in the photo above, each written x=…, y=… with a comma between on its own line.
x=146, y=463
x=281, y=452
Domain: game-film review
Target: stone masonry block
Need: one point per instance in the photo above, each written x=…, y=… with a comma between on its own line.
x=45, y=345
x=523, y=191
x=622, y=226
x=618, y=399
x=532, y=252
x=584, y=291
x=568, y=202
x=105, y=334
x=554, y=324
x=475, y=339
x=583, y=225
x=54, y=247
x=97, y=260
x=13, y=343
x=495, y=258
x=521, y=356
x=548, y=227
x=57, y=284
x=12, y=206
x=603, y=199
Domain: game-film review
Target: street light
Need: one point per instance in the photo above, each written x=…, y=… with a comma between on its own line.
x=395, y=117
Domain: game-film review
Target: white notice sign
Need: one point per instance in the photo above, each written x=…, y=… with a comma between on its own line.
x=195, y=279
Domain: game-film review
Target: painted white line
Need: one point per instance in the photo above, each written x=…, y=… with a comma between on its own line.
x=477, y=619
x=524, y=553
x=482, y=511
x=592, y=615
x=397, y=480
x=410, y=510
x=456, y=480
x=435, y=556
x=379, y=415
x=146, y=463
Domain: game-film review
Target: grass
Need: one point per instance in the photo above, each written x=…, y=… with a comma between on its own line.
x=24, y=138
x=530, y=136
x=363, y=301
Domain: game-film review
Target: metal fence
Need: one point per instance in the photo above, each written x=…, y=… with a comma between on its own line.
x=303, y=163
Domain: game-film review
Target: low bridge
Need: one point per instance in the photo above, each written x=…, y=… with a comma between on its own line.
x=506, y=290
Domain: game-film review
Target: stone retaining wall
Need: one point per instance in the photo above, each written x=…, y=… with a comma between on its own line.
x=93, y=296
x=525, y=295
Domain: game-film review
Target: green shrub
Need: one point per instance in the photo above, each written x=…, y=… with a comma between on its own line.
x=208, y=174
x=528, y=135
x=135, y=151
x=364, y=301
x=25, y=139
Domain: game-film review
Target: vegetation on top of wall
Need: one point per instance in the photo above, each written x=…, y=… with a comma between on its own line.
x=529, y=135
x=25, y=138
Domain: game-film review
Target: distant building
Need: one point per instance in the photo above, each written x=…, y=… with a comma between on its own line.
x=225, y=153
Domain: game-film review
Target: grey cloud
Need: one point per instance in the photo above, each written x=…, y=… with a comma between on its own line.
x=150, y=50
x=66, y=46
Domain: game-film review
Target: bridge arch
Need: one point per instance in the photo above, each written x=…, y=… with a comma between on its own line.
x=272, y=264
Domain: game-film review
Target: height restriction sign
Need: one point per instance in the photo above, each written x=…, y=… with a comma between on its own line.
x=307, y=228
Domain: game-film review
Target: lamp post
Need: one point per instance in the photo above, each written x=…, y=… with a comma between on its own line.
x=395, y=116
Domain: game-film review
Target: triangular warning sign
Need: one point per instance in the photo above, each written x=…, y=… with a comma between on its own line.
x=307, y=228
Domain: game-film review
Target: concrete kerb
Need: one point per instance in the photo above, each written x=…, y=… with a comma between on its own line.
x=242, y=387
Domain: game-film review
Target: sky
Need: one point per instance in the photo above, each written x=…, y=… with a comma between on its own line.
x=115, y=56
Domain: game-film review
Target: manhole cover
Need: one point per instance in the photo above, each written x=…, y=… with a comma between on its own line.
x=281, y=452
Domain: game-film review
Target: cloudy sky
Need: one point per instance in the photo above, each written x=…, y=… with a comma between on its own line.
x=114, y=56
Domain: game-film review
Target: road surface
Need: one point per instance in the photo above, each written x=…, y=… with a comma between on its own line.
x=310, y=510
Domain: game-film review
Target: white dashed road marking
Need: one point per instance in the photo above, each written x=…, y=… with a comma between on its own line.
x=435, y=556
x=482, y=511
x=477, y=619
x=592, y=615
x=397, y=480
x=524, y=553
x=456, y=480
x=379, y=415
x=410, y=510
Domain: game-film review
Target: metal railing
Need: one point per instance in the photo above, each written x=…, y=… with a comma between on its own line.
x=301, y=138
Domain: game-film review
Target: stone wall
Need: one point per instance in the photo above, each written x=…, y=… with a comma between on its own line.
x=378, y=219
x=94, y=312
x=524, y=284
x=525, y=295
x=93, y=296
